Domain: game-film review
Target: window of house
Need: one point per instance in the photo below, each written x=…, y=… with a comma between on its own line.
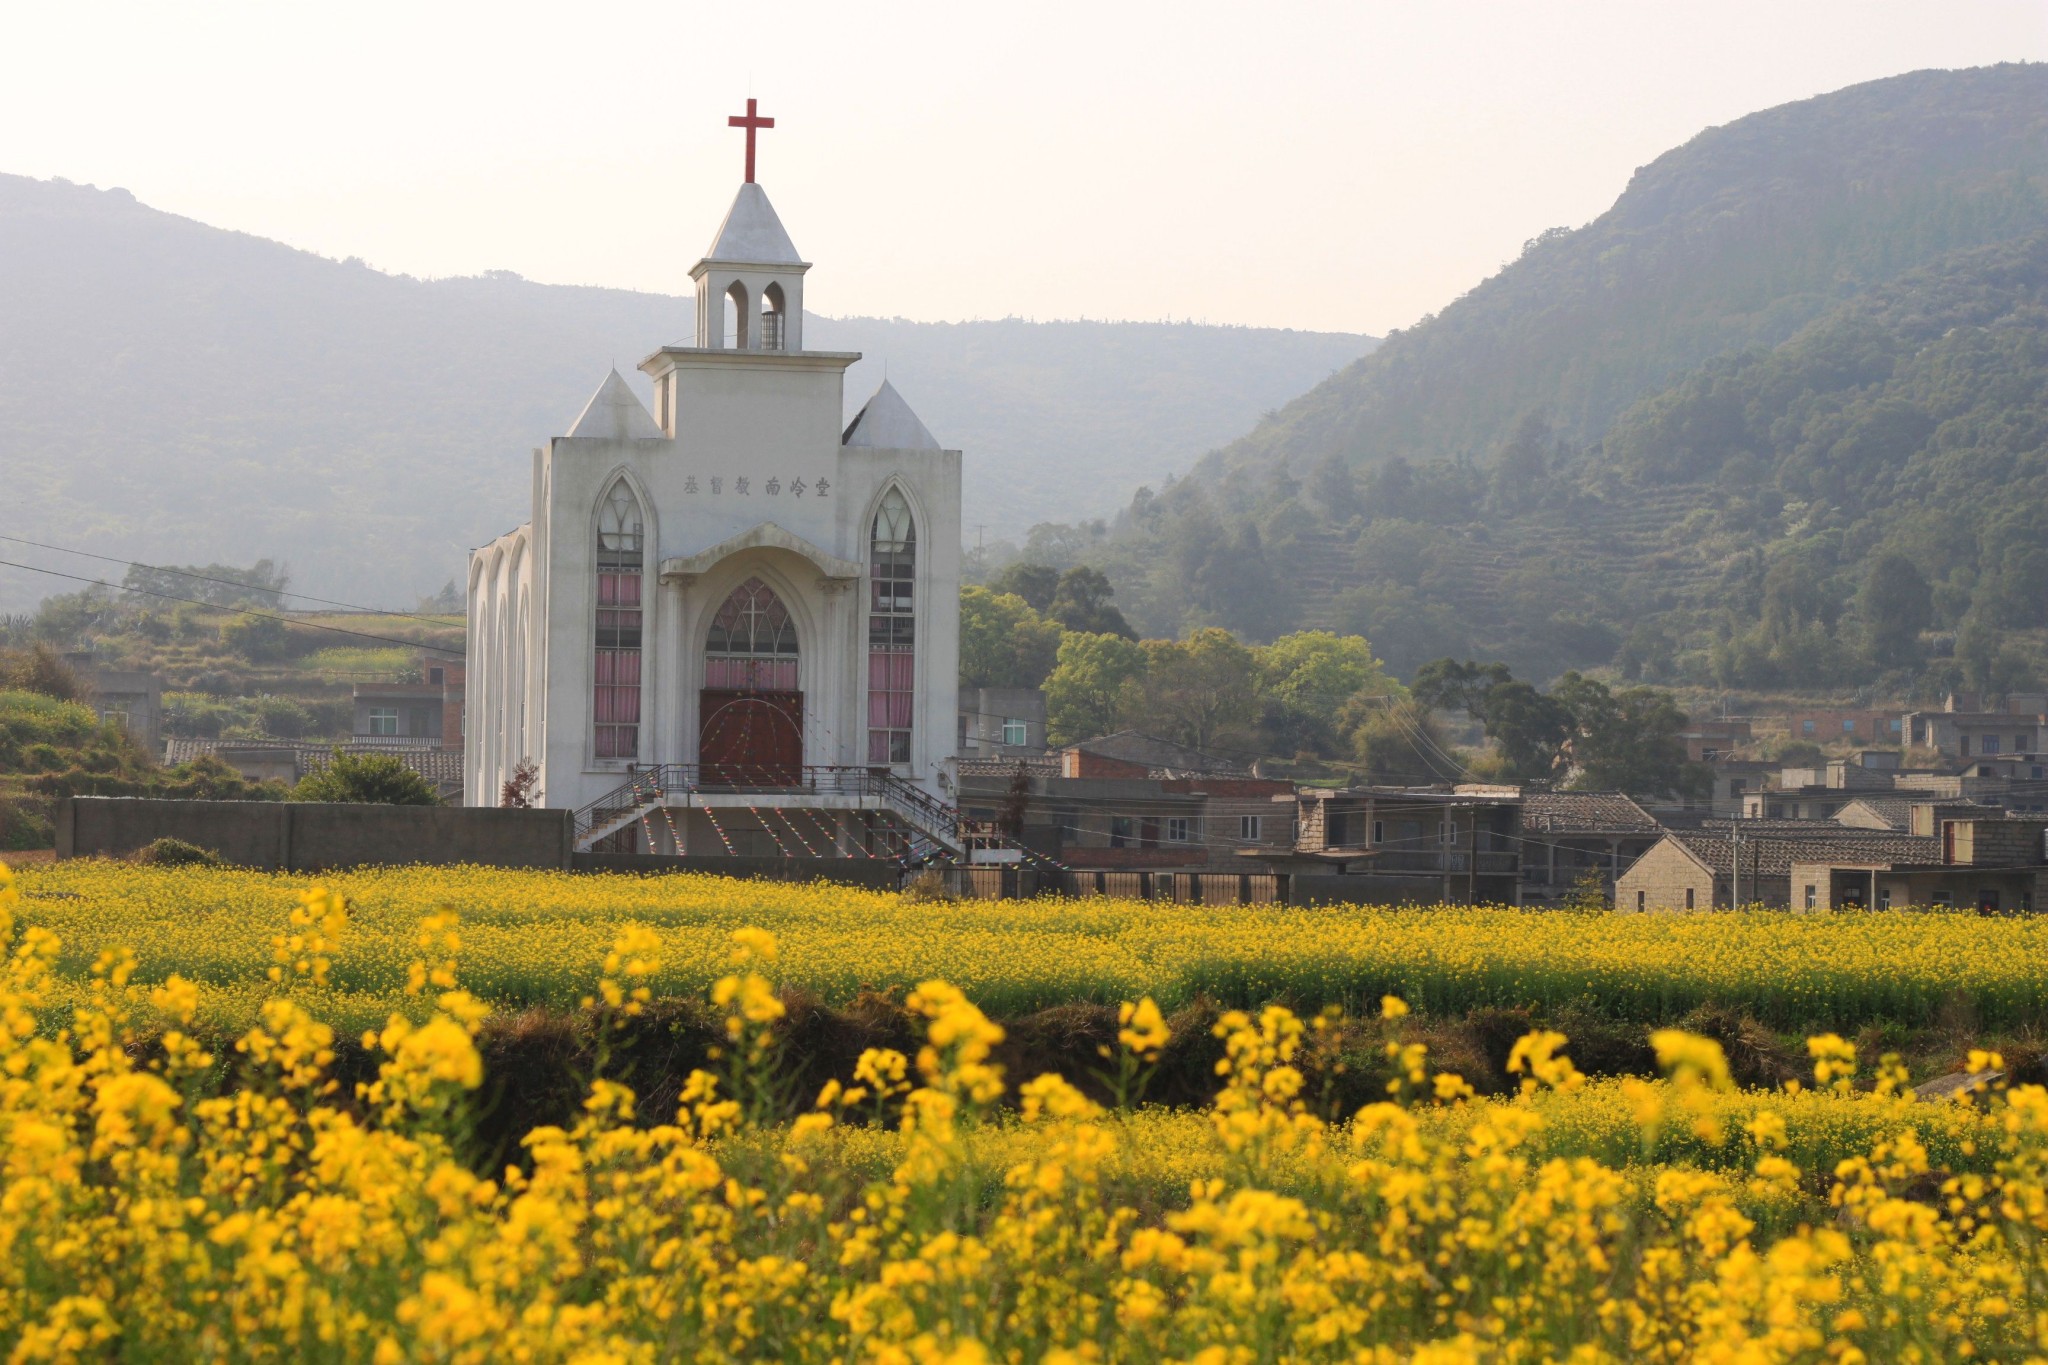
x=1884, y=898
x=1642, y=900
x=437, y=676
x=1688, y=898
x=1119, y=831
x=963, y=732
x=1248, y=828
x=1811, y=898
x=615, y=706
x=892, y=627
x=1014, y=732
x=1991, y=744
x=1943, y=898
x=1806, y=727
x=383, y=720
x=2020, y=744
x=116, y=718
x=1895, y=725
x=1963, y=746
x=1848, y=727
x=1177, y=827
x=1379, y=831
x=1446, y=833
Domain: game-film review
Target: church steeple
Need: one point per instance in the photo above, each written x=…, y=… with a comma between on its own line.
x=753, y=267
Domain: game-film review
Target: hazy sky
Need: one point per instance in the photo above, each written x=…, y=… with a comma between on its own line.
x=1335, y=166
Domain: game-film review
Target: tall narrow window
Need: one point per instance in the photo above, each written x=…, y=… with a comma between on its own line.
x=892, y=631
x=616, y=708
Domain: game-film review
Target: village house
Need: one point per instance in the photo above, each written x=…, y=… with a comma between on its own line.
x=1854, y=725
x=1130, y=802
x=424, y=713
x=1571, y=839
x=1994, y=865
x=997, y=722
x=1965, y=728
x=1402, y=845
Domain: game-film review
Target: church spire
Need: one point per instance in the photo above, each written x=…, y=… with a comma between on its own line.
x=750, y=284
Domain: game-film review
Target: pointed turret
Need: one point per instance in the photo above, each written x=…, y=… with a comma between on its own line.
x=887, y=423
x=751, y=233
x=614, y=413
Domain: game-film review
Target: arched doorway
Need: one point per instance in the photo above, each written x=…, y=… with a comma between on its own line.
x=750, y=731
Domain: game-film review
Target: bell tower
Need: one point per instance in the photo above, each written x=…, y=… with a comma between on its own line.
x=750, y=285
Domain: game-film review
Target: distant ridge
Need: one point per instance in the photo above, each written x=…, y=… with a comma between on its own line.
x=1777, y=419
x=174, y=391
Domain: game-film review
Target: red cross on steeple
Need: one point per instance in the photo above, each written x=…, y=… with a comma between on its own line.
x=750, y=121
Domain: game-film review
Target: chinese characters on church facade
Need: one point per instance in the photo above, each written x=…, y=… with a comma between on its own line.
x=742, y=486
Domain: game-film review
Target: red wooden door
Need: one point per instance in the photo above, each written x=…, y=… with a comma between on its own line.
x=751, y=739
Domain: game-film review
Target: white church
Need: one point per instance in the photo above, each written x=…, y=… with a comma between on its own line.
x=731, y=626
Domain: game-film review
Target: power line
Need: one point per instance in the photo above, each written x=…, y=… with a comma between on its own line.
x=242, y=611
x=208, y=578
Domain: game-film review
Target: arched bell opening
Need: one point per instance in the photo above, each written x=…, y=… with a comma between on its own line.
x=773, y=333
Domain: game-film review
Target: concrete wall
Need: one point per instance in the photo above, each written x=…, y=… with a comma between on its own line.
x=305, y=836
x=872, y=874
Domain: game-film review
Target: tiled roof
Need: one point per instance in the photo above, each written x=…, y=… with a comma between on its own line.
x=1773, y=856
x=1896, y=814
x=1584, y=812
x=1135, y=746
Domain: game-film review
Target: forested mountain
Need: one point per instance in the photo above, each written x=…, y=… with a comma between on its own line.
x=1776, y=419
x=177, y=393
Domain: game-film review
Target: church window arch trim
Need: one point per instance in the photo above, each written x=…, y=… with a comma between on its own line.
x=621, y=549
x=892, y=629
x=752, y=641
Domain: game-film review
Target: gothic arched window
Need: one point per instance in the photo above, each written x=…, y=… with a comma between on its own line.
x=620, y=564
x=892, y=631
x=752, y=643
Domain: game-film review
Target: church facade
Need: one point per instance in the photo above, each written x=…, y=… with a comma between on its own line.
x=731, y=584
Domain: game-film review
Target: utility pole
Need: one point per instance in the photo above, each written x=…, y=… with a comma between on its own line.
x=1735, y=860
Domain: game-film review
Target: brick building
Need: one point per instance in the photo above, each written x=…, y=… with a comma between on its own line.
x=1565, y=836
x=1400, y=845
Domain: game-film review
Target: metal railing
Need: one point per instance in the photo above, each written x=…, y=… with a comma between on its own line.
x=657, y=785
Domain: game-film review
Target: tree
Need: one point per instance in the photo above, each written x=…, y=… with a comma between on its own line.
x=1303, y=681
x=366, y=779
x=1447, y=685
x=1627, y=740
x=517, y=793
x=1396, y=741
x=259, y=639
x=1092, y=684
x=262, y=584
x=1896, y=605
x=1003, y=642
x=1199, y=688
x=1035, y=583
x=1530, y=728
x=1081, y=603
x=1333, y=490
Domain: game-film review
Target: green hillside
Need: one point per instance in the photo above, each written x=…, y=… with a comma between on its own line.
x=1685, y=438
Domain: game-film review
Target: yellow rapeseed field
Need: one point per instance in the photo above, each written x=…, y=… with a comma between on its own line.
x=531, y=936
x=146, y=1214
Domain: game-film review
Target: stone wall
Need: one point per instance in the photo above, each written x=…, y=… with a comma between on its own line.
x=295, y=836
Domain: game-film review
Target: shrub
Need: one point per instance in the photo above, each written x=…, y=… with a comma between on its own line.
x=283, y=717
x=367, y=779
x=169, y=852
x=40, y=668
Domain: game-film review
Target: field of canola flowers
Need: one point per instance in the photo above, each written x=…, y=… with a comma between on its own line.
x=145, y=1215
x=530, y=937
